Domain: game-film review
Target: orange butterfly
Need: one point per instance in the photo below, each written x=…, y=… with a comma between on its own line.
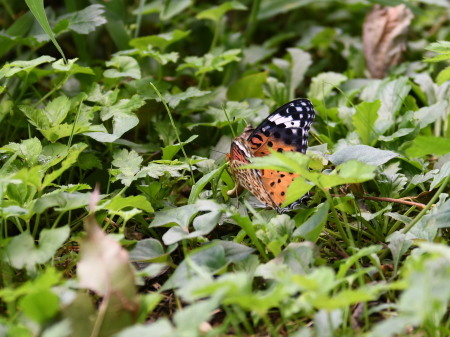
x=286, y=129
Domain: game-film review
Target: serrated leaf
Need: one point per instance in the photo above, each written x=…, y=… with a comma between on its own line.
x=86, y=20
x=123, y=66
x=10, y=69
x=29, y=150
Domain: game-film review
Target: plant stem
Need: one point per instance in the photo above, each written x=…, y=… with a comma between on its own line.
x=428, y=206
x=176, y=130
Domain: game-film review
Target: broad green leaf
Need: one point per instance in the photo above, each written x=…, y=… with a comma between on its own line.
x=160, y=41
x=86, y=20
x=364, y=120
x=156, y=170
x=216, y=13
x=250, y=86
x=149, y=250
x=323, y=84
x=444, y=172
x=423, y=145
x=363, y=153
x=122, y=66
x=430, y=114
x=300, y=62
x=392, y=95
x=48, y=278
x=29, y=150
x=351, y=172
x=71, y=67
x=118, y=202
x=37, y=8
x=207, y=260
x=312, y=228
x=181, y=216
x=399, y=243
x=21, y=251
x=10, y=69
x=202, y=224
x=40, y=306
x=72, y=155
x=170, y=151
x=190, y=318
x=444, y=75
x=297, y=189
x=62, y=201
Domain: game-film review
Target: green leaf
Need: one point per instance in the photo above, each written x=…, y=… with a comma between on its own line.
x=62, y=201
x=160, y=41
x=271, y=8
x=444, y=172
x=216, y=13
x=425, y=145
x=363, y=153
x=364, y=120
x=40, y=306
x=86, y=20
x=118, y=202
x=128, y=163
x=173, y=100
x=181, y=216
x=29, y=150
x=21, y=251
x=72, y=155
x=208, y=259
x=10, y=69
x=250, y=86
x=203, y=224
x=323, y=84
x=37, y=8
x=149, y=250
x=216, y=60
x=312, y=228
x=430, y=114
x=444, y=75
x=300, y=62
x=124, y=66
x=170, y=151
x=201, y=183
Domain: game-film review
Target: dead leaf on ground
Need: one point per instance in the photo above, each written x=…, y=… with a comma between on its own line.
x=384, y=37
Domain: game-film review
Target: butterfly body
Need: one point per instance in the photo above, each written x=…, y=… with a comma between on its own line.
x=286, y=129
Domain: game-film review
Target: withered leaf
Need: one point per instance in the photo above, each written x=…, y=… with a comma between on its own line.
x=384, y=37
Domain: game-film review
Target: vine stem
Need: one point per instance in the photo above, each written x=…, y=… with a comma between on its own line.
x=176, y=130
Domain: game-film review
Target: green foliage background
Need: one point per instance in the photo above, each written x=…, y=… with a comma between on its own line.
x=143, y=99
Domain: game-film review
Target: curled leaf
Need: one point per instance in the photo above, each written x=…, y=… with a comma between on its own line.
x=384, y=37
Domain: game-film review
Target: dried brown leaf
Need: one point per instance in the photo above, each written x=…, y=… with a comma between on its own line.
x=384, y=37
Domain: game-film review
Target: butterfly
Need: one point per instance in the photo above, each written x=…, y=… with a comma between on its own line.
x=286, y=129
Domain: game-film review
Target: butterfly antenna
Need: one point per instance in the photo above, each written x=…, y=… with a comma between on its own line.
x=228, y=119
